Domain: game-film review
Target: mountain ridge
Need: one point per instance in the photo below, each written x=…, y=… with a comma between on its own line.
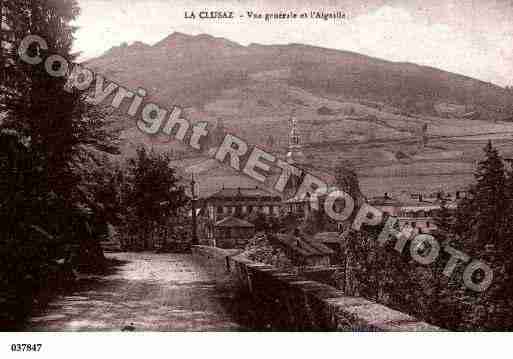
x=195, y=68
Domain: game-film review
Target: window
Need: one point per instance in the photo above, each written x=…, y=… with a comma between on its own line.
x=219, y=210
x=427, y=224
x=301, y=210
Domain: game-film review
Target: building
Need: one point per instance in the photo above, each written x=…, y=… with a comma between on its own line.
x=416, y=211
x=302, y=249
x=386, y=204
x=241, y=202
x=300, y=206
x=303, y=207
x=232, y=232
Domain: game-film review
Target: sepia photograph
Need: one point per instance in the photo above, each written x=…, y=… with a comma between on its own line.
x=255, y=166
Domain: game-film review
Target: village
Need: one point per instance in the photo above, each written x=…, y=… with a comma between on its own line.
x=232, y=217
x=187, y=174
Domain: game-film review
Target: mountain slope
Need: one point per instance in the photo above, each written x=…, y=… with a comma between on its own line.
x=191, y=70
x=402, y=126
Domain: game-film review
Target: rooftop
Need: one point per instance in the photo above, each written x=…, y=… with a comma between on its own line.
x=304, y=245
x=233, y=222
x=384, y=201
x=328, y=237
x=417, y=201
x=253, y=192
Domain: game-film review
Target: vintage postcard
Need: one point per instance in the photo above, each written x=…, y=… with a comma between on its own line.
x=293, y=166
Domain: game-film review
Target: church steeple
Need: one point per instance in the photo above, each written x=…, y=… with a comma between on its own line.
x=295, y=154
x=294, y=138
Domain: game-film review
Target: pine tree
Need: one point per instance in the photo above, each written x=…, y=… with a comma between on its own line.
x=507, y=230
x=487, y=214
x=507, y=241
x=444, y=221
x=490, y=203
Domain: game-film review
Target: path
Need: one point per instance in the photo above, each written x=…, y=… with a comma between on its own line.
x=151, y=292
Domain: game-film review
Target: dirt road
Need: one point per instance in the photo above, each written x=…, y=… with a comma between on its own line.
x=148, y=292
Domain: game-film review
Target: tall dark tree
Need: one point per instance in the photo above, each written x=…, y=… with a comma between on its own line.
x=490, y=202
x=481, y=229
x=49, y=136
x=347, y=181
x=59, y=124
x=444, y=221
x=155, y=197
x=508, y=221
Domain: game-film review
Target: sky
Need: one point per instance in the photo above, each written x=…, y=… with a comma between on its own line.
x=469, y=37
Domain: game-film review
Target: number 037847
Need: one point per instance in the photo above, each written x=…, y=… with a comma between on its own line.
x=26, y=347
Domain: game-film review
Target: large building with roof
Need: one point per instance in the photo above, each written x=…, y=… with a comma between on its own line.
x=241, y=202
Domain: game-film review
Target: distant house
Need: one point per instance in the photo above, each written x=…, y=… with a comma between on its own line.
x=386, y=204
x=232, y=232
x=303, y=207
x=415, y=211
x=303, y=250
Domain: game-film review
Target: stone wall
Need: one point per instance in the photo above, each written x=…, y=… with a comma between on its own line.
x=287, y=301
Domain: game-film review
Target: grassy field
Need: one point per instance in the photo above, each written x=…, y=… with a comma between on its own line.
x=382, y=145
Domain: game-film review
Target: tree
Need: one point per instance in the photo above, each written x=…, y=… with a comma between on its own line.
x=60, y=124
x=347, y=181
x=49, y=136
x=314, y=222
x=490, y=202
x=444, y=220
x=259, y=220
x=508, y=220
x=482, y=231
x=154, y=197
x=288, y=221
